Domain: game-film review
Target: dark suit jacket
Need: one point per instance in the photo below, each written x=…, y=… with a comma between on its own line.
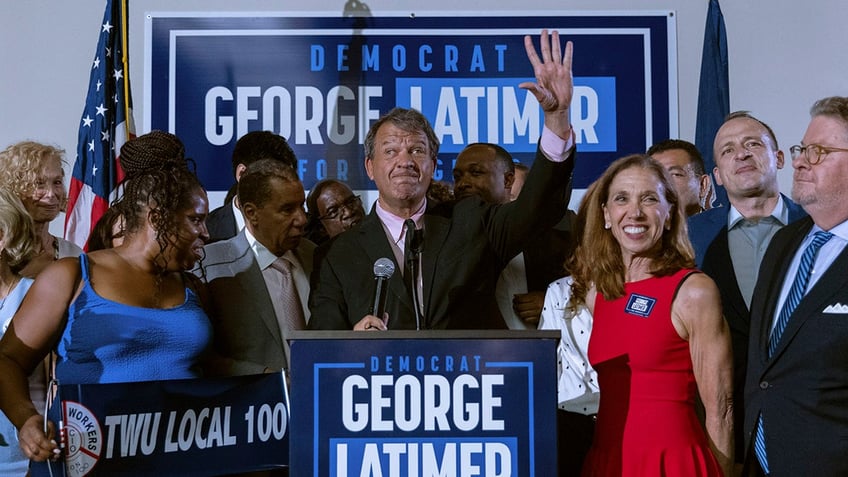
x=708, y=233
x=802, y=390
x=545, y=255
x=465, y=248
x=246, y=331
x=221, y=223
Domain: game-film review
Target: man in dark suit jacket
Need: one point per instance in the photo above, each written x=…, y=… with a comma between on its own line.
x=250, y=332
x=465, y=246
x=799, y=387
x=730, y=241
x=487, y=171
x=225, y=221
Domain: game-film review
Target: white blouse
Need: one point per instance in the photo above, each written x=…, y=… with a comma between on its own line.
x=577, y=389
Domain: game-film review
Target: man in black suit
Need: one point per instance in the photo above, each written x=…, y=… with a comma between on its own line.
x=226, y=221
x=796, y=392
x=730, y=241
x=487, y=171
x=465, y=246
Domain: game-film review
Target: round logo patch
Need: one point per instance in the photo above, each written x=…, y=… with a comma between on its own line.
x=84, y=439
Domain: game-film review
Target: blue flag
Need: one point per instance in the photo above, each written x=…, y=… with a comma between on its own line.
x=105, y=126
x=713, y=91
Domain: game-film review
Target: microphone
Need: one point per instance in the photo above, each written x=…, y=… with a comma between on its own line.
x=384, y=268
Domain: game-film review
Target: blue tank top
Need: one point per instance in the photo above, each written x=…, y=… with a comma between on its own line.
x=109, y=342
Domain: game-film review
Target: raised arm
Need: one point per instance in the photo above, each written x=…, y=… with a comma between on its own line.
x=554, y=84
x=33, y=332
x=696, y=314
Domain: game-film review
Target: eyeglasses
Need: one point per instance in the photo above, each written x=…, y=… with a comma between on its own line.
x=813, y=153
x=351, y=203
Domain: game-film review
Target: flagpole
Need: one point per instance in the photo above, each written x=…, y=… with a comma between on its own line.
x=125, y=61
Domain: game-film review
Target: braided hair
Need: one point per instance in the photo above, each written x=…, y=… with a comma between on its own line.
x=157, y=187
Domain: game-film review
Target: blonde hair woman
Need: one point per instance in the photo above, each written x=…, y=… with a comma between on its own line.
x=17, y=246
x=33, y=171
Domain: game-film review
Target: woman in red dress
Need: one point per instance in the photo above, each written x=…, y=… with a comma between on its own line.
x=658, y=335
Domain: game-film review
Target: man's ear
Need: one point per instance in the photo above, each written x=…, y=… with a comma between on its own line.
x=779, y=159
x=705, y=191
x=249, y=210
x=509, y=179
x=717, y=176
x=240, y=171
x=369, y=168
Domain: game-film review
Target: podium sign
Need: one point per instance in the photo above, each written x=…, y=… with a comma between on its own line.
x=469, y=403
x=185, y=427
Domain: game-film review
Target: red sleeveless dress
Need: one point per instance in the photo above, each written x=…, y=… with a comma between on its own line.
x=646, y=420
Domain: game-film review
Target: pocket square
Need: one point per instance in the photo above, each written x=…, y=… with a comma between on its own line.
x=838, y=309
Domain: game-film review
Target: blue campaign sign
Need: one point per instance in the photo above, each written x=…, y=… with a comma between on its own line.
x=209, y=426
x=322, y=81
x=424, y=404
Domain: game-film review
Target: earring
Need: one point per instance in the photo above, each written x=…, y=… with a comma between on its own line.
x=607, y=225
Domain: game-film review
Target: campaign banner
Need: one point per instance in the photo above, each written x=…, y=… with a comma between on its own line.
x=322, y=81
x=193, y=427
x=424, y=404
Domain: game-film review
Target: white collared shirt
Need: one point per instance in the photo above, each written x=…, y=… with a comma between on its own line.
x=824, y=259
x=264, y=258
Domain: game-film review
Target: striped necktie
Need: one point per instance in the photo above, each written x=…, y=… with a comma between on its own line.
x=796, y=293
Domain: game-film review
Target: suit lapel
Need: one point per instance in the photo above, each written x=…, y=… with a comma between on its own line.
x=816, y=299
x=773, y=274
x=721, y=264
x=250, y=279
x=372, y=227
x=435, y=232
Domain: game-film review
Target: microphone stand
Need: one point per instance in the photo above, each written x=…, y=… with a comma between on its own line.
x=414, y=265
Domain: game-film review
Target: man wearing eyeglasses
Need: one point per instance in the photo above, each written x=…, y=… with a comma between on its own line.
x=796, y=392
x=730, y=241
x=333, y=208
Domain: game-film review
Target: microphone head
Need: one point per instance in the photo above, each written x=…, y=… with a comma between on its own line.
x=384, y=268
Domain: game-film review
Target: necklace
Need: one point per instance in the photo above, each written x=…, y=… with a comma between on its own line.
x=9, y=291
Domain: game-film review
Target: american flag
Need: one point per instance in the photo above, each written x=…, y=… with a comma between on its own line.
x=105, y=126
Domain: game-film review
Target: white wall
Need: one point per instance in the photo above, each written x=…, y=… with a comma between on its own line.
x=784, y=55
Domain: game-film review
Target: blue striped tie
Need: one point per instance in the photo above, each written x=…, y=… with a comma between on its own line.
x=796, y=293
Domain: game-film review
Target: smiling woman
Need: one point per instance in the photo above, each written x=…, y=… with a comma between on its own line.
x=33, y=171
x=658, y=332
x=130, y=313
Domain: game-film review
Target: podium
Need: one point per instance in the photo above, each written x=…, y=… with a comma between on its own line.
x=423, y=403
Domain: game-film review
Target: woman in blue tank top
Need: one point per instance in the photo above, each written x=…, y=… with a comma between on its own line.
x=129, y=313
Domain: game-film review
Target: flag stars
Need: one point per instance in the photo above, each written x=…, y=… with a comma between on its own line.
x=104, y=135
x=118, y=75
x=91, y=146
x=94, y=171
x=101, y=110
x=107, y=27
x=86, y=121
x=99, y=84
x=108, y=52
x=96, y=63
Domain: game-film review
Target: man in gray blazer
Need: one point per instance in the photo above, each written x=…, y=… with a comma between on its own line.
x=796, y=391
x=253, y=304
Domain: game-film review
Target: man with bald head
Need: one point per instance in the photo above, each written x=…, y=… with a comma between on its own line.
x=447, y=261
x=730, y=241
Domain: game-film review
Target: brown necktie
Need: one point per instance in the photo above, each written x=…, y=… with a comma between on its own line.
x=289, y=299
